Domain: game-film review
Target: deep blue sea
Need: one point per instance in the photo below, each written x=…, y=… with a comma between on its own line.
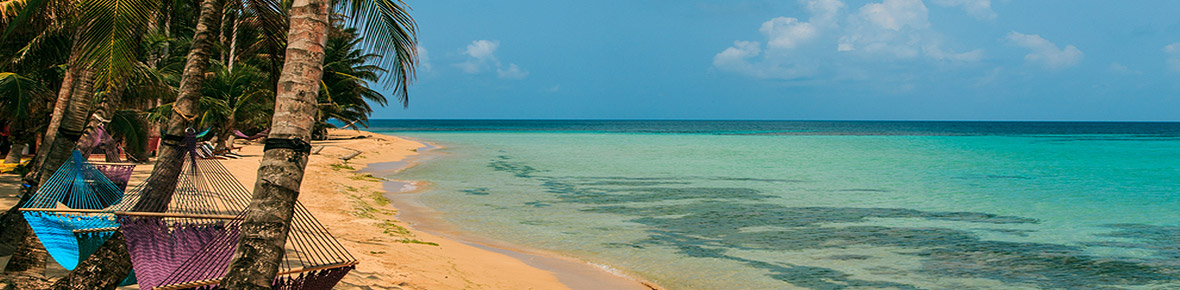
x=821, y=205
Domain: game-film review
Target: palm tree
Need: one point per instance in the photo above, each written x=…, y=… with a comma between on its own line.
x=103, y=46
x=235, y=99
x=23, y=102
x=390, y=29
x=346, y=93
x=110, y=262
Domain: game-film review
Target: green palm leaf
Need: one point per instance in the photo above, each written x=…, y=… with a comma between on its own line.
x=110, y=35
x=388, y=30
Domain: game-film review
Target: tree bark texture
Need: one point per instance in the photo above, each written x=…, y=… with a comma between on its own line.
x=14, y=153
x=224, y=139
x=63, y=97
x=104, y=269
x=103, y=113
x=73, y=120
x=233, y=43
x=268, y=218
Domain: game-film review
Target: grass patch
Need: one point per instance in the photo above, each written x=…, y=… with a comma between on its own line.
x=338, y=166
x=361, y=209
x=379, y=198
x=412, y=241
x=404, y=234
x=393, y=229
x=367, y=177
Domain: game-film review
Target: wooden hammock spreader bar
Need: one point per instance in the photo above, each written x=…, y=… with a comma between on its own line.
x=179, y=215
x=66, y=210
x=207, y=282
x=97, y=230
x=108, y=163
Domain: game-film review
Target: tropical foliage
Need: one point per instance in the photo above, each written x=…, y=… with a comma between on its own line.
x=345, y=92
x=120, y=64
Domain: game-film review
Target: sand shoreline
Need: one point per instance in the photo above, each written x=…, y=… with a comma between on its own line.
x=574, y=273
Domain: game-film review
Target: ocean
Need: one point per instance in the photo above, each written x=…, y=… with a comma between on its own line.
x=821, y=205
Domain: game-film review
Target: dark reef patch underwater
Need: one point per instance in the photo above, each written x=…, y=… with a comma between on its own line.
x=712, y=222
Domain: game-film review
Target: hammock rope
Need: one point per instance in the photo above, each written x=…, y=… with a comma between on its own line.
x=70, y=214
x=188, y=240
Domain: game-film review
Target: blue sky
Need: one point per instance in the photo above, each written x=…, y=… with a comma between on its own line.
x=796, y=60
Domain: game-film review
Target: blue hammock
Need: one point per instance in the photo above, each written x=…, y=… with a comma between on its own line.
x=68, y=214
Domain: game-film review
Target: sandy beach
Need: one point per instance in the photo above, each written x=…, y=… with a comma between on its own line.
x=394, y=254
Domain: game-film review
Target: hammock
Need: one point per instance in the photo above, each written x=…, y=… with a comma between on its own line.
x=243, y=136
x=117, y=171
x=68, y=213
x=188, y=240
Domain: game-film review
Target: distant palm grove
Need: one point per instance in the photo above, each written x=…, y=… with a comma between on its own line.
x=125, y=75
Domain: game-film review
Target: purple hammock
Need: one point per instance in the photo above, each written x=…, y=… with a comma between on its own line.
x=239, y=134
x=187, y=239
x=118, y=172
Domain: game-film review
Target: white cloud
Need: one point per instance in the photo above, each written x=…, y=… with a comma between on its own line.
x=897, y=29
x=513, y=72
x=483, y=49
x=783, y=35
x=738, y=58
x=1046, y=53
x=786, y=32
x=424, y=59
x=896, y=14
x=981, y=9
x=889, y=30
x=1173, y=51
x=824, y=12
x=482, y=57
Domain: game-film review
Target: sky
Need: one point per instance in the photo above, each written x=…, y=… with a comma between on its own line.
x=796, y=60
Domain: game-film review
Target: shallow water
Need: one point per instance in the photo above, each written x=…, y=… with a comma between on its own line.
x=822, y=205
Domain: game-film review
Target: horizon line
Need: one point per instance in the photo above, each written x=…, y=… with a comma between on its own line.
x=789, y=120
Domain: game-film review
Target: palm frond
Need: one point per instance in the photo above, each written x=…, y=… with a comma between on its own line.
x=110, y=33
x=388, y=30
x=19, y=95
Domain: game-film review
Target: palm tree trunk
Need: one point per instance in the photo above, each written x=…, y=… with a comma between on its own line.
x=63, y=97
x=185, y=108
x=29, y=257
x=105, y=111
x=224, y=140
x=14, y=152
x=113, y=260
x=104, y=269
x=221, y=34
x=233, y=43
x=73, y=121
x=268, y=218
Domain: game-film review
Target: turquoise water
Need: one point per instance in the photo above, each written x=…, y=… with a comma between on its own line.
x=716, y=205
